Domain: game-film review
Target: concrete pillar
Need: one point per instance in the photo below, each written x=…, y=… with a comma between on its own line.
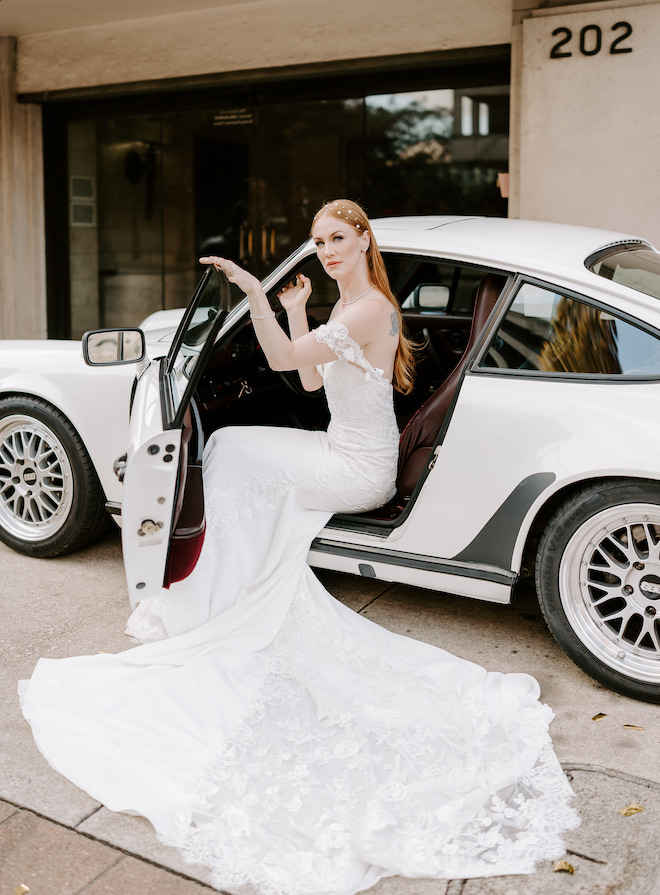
x=22, y=240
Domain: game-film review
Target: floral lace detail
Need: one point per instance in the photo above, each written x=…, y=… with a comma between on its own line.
x=336, y=336
x=345, y=763
x=145, y=624
x=232, y=505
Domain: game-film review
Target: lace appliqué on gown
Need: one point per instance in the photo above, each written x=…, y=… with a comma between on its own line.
x=336, y=336
x=346, y=763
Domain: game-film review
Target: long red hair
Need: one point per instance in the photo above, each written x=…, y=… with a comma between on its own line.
x=351, y=213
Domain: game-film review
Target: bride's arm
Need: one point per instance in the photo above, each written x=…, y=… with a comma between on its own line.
x=281, y=352
x=294, y=301
x=366, y=322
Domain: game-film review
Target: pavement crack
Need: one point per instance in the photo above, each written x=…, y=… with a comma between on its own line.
x=117, y=848
x=577, y=854
x=609, y=772
x=100, y=875
x=377, y=597
x=456, y=886
x=87, y=816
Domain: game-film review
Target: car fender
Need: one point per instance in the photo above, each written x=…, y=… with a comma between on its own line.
x=94, y=399
x=497, y=443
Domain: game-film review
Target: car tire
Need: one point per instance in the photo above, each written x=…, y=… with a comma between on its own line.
x=51, y=500
x=598, y=584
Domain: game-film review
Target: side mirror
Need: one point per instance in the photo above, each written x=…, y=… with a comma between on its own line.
x=108, y=347
x=428, y=295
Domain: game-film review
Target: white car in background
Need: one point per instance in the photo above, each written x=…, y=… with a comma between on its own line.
x=529, y=446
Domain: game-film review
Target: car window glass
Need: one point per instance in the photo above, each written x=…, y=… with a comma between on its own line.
x=423, y=284
x=633, y=266
x=548, y=332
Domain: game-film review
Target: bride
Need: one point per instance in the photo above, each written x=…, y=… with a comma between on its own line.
x=265, y=729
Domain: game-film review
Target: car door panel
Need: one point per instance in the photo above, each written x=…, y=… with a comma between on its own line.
x=189, y=520
x=163, y=509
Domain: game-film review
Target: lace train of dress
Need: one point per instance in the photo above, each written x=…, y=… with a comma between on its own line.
x=279, y=738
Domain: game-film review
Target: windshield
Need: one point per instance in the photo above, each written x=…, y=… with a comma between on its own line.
x=633, y=265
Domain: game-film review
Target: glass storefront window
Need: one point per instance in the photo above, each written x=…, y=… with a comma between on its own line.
x=150, y=193
x=437, y=151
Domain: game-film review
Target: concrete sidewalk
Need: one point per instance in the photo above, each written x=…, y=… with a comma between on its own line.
x=56, y=840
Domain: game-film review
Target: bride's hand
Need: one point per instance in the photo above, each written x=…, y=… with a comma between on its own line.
x=292, y=297
x=245, y=281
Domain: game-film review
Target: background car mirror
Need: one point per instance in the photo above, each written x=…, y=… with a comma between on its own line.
x=431, y=296
x=106, y=347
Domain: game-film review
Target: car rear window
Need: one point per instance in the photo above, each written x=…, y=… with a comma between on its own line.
x=551, y=333
x=633, y=265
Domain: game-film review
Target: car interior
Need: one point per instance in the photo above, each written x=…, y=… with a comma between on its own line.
x=445, y=306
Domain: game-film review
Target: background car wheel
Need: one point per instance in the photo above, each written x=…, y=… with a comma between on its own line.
x=598, y=583
x=51, y=501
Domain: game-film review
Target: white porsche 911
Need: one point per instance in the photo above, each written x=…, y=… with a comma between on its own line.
x=529, y=445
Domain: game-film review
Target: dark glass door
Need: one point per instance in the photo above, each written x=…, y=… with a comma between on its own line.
x=151, y=193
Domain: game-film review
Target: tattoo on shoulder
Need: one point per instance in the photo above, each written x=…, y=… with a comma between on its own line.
x=394, y=320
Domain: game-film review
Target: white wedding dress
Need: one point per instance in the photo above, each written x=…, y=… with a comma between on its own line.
x=278, y=737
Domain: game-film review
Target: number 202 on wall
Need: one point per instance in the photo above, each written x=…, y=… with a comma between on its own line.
x=591, y=39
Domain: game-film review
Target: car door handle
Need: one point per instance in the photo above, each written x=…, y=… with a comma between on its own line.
x=119, y=467
x=149, y=527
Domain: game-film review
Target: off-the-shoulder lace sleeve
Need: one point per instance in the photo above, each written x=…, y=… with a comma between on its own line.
x=336, y=336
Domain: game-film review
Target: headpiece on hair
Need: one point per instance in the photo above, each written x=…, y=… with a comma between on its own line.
x=347, y=213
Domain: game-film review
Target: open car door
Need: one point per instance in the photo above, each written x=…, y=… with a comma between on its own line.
x=163, y=519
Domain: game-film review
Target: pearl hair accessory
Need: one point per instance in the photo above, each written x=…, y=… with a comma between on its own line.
x=348, y=213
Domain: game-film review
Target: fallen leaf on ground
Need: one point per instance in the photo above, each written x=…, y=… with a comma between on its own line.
x=632, y=727
x=629, y=810
x=563, y=866
x=599, y=716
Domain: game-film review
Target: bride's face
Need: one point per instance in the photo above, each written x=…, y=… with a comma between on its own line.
x=339, y=246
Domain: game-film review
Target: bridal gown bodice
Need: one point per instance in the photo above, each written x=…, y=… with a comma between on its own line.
x=363, y=429
x=277, y=737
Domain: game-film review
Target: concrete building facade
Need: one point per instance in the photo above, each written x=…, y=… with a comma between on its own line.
x=134, y=136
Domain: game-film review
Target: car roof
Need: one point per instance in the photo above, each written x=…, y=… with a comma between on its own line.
x=509, y=243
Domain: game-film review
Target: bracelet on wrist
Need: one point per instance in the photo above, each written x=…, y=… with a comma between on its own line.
x=261, y=316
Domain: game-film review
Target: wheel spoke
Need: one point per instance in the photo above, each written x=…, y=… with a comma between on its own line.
x=624, y=613
x=7, y=454
x=52, y=488
x=648, y=632
x=620, y=547
x=44, y=505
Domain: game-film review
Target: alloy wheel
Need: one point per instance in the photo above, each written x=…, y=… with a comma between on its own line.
x=36, y=480
x=609, y=585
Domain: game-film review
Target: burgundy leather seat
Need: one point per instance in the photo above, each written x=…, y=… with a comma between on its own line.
x=420, y=434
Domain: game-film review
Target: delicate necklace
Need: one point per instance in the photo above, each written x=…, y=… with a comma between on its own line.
x=353, y=300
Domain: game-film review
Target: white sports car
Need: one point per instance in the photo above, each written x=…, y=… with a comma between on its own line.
x=529, y=445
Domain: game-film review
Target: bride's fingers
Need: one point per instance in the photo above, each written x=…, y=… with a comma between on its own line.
x=227, y=267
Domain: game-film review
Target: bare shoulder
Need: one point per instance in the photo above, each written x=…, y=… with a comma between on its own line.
x=374, y=307
x=370, y=320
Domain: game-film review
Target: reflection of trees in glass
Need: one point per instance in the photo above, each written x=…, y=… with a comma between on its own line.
x=410, y=170
x=580, y=341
